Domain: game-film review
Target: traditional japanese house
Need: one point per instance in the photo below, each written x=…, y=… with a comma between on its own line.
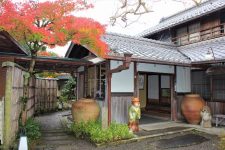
x=198, y=33
x=183, y=54
x=114, y=80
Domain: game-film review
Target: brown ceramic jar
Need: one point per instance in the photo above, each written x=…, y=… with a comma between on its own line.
x=85, y=110
x=191, y=107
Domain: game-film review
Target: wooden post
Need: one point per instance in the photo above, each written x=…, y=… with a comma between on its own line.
x=105, y=102
x=7, y=119
x=136, y=89
x=173, y=97
x=109, y=78
x=1, y=119
x=211, y=88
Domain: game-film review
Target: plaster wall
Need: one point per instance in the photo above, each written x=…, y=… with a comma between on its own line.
x=122, y=82
x=155, y=68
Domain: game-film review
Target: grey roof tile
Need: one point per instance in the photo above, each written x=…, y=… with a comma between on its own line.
x=144, y=48
x=197, y=51
x=186, y=15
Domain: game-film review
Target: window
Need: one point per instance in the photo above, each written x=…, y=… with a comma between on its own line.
x=201, y=85
x=96, y=81
x=101, y=77
x=218, y=90
x=182, y=37
x=194, y=32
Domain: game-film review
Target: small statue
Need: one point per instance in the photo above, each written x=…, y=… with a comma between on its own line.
x=134, y=115
x=206, y=117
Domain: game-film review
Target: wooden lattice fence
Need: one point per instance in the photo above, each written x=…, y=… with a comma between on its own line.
x=42, y=96
x=45, y=95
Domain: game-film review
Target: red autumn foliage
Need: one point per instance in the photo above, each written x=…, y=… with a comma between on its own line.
x=47, y=54
x=51, y=23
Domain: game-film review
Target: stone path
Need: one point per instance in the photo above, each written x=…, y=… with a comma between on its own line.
x=55, y=138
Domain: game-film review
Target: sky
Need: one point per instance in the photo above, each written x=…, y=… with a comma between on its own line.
x=104, y=9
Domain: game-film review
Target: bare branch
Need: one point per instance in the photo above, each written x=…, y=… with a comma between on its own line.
x=138, y=8
x=126, y=8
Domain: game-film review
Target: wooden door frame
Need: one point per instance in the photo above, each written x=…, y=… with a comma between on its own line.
x=172, y=76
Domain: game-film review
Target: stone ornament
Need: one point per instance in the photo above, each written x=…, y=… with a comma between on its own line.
x=206, y=117
x=134, y=115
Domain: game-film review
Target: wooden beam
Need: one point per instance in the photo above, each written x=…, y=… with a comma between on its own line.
x=141, y=60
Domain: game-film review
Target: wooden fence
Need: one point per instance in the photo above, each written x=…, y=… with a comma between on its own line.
x=42, y=96
x=12, y=104
x=45, y=95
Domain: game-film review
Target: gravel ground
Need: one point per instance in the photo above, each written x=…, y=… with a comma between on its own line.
x=51, y=122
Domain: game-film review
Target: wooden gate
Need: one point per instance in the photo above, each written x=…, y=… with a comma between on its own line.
x=45, y=95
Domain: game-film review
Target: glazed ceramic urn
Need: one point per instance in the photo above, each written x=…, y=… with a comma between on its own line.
x=191, y=107
x=85, y=110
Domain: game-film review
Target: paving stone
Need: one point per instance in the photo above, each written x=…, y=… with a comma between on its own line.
x=181, y=141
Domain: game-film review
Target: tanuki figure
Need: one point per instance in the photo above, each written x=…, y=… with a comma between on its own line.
x=134, y=115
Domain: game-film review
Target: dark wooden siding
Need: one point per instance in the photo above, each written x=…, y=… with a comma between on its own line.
x=120, y=105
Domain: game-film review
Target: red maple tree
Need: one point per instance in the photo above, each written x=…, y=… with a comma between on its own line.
x=47, y=54
x=38, y=25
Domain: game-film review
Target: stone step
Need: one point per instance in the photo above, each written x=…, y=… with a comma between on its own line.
x=53, y=131
x=65, y=141
x=143, y=134
x=55, y=134
x=53, y=138
x=61, y=137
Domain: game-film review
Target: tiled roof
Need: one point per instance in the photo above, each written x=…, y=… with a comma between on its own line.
x=186, y=15
x=197, y=51
x=142, y=48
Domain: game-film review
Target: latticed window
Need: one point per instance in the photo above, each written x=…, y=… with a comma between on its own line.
x=209, y=87
x=194, y=32
x=96, y=81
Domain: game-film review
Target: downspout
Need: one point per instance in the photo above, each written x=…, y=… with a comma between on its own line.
x=124, y=66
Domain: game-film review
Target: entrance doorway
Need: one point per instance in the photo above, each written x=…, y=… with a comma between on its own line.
x=159, y=93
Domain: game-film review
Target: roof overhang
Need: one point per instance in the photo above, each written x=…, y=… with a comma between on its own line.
x=9, y=46
x=52, y=64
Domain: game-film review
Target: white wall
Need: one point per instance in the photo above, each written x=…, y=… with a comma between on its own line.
x=124, y=80
x=183, y=79
x=155, y=68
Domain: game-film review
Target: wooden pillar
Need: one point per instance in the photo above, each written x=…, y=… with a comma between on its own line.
x=136, y=86
x=211, y=88
x=173, y=97
x=7, y=118
x=109, y=78
x=105, y=111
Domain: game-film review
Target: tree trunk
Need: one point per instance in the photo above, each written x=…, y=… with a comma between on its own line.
x=27, y=77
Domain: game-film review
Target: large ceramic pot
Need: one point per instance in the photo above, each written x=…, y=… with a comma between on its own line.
x=85, y=110
x=191, y=107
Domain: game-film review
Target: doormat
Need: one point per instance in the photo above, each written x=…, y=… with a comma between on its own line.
x=181, y=141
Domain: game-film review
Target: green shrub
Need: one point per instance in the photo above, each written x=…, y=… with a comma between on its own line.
x=222, y=143
x=94, y=132
x=32, y=129
x=67, y=92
